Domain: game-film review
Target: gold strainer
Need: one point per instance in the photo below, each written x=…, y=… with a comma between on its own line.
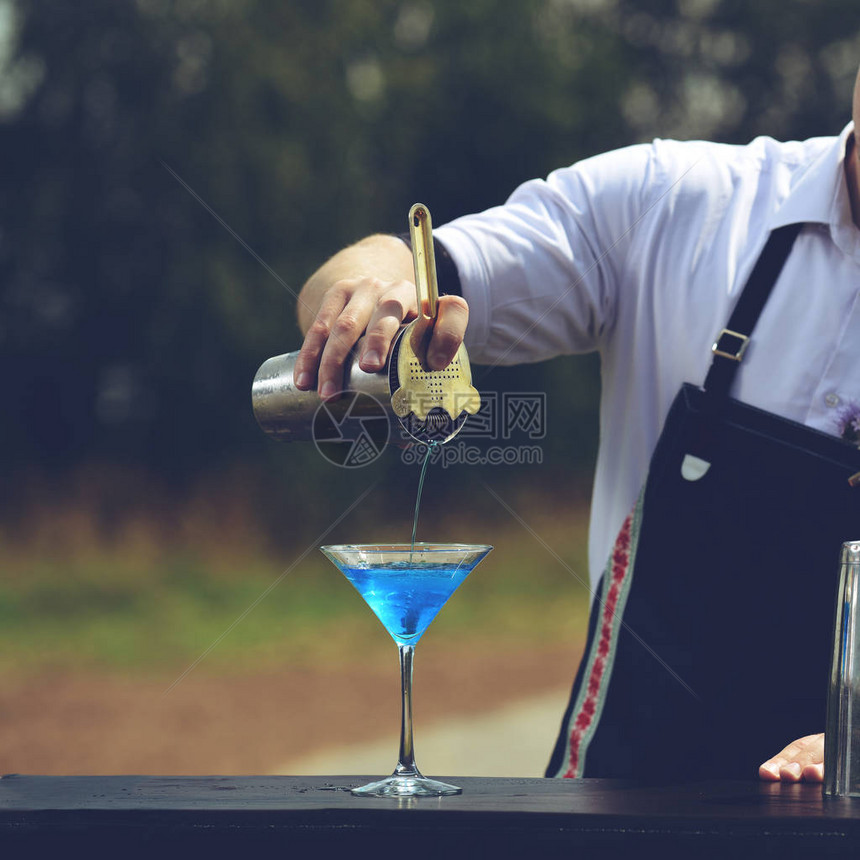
x=432, y=405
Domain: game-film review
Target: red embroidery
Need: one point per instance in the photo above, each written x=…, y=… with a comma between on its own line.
x=620, y=565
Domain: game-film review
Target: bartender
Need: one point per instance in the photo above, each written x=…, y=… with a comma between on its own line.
x=721, y=287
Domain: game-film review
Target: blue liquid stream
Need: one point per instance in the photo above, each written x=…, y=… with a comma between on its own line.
x=430, y=447
x=406, y=596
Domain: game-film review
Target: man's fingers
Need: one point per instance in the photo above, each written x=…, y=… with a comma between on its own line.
x=345, y=333
x=791, y=771
x=806, y=750
x=339, y=324
x=814, y=772
x=801, y=759
x=379, y=309
x=392, y=308
x=307, y=363
x=769, y=771
x=451, y=321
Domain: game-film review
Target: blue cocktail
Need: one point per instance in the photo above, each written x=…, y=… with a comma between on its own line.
x=406, y=585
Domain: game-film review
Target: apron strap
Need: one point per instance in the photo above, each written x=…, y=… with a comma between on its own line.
x=732, y=341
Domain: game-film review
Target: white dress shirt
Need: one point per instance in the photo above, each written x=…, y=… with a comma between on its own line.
x=640, y=254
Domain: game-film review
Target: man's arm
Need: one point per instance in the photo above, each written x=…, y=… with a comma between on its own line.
x=367, y=288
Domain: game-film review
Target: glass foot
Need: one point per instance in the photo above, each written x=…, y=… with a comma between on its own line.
x=406, y=786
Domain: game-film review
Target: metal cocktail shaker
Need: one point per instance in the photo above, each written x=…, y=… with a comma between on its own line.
x=842, y=734
x=286, y=413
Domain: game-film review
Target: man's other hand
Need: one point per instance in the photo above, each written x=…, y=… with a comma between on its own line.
x=801, y=760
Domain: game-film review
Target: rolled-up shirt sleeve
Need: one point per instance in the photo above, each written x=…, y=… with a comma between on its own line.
x=542, y=272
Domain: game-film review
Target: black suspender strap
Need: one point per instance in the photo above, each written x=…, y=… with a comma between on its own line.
x=732, y=341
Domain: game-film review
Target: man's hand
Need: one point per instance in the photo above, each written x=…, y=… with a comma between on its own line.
x=803, y=759
x=365, y=293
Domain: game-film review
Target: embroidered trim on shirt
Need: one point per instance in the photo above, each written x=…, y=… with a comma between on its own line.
x=585, y=715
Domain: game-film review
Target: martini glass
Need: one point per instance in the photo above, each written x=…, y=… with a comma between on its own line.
x=406, y=585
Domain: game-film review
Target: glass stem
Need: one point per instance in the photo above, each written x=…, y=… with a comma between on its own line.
x=406, y=759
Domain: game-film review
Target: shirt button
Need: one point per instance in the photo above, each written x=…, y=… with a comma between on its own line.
x=832, y=399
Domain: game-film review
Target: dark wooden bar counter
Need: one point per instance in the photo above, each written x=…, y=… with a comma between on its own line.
x=291, y=816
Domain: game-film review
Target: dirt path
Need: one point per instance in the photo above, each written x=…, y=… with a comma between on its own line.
x=98, y=724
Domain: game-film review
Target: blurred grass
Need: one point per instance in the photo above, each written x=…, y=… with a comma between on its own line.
x=176, y=580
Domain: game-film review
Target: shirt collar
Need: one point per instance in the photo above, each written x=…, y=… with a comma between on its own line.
x=820, y=195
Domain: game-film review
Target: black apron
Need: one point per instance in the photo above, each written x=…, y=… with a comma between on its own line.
x=710, y=632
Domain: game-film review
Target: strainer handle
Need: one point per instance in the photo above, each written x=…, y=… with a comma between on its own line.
x=424, y=260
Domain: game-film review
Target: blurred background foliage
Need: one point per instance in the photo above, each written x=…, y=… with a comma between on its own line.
x=173, y=171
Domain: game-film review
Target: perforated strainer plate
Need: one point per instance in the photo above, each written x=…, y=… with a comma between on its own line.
x=437, y=425
x=432, y=405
